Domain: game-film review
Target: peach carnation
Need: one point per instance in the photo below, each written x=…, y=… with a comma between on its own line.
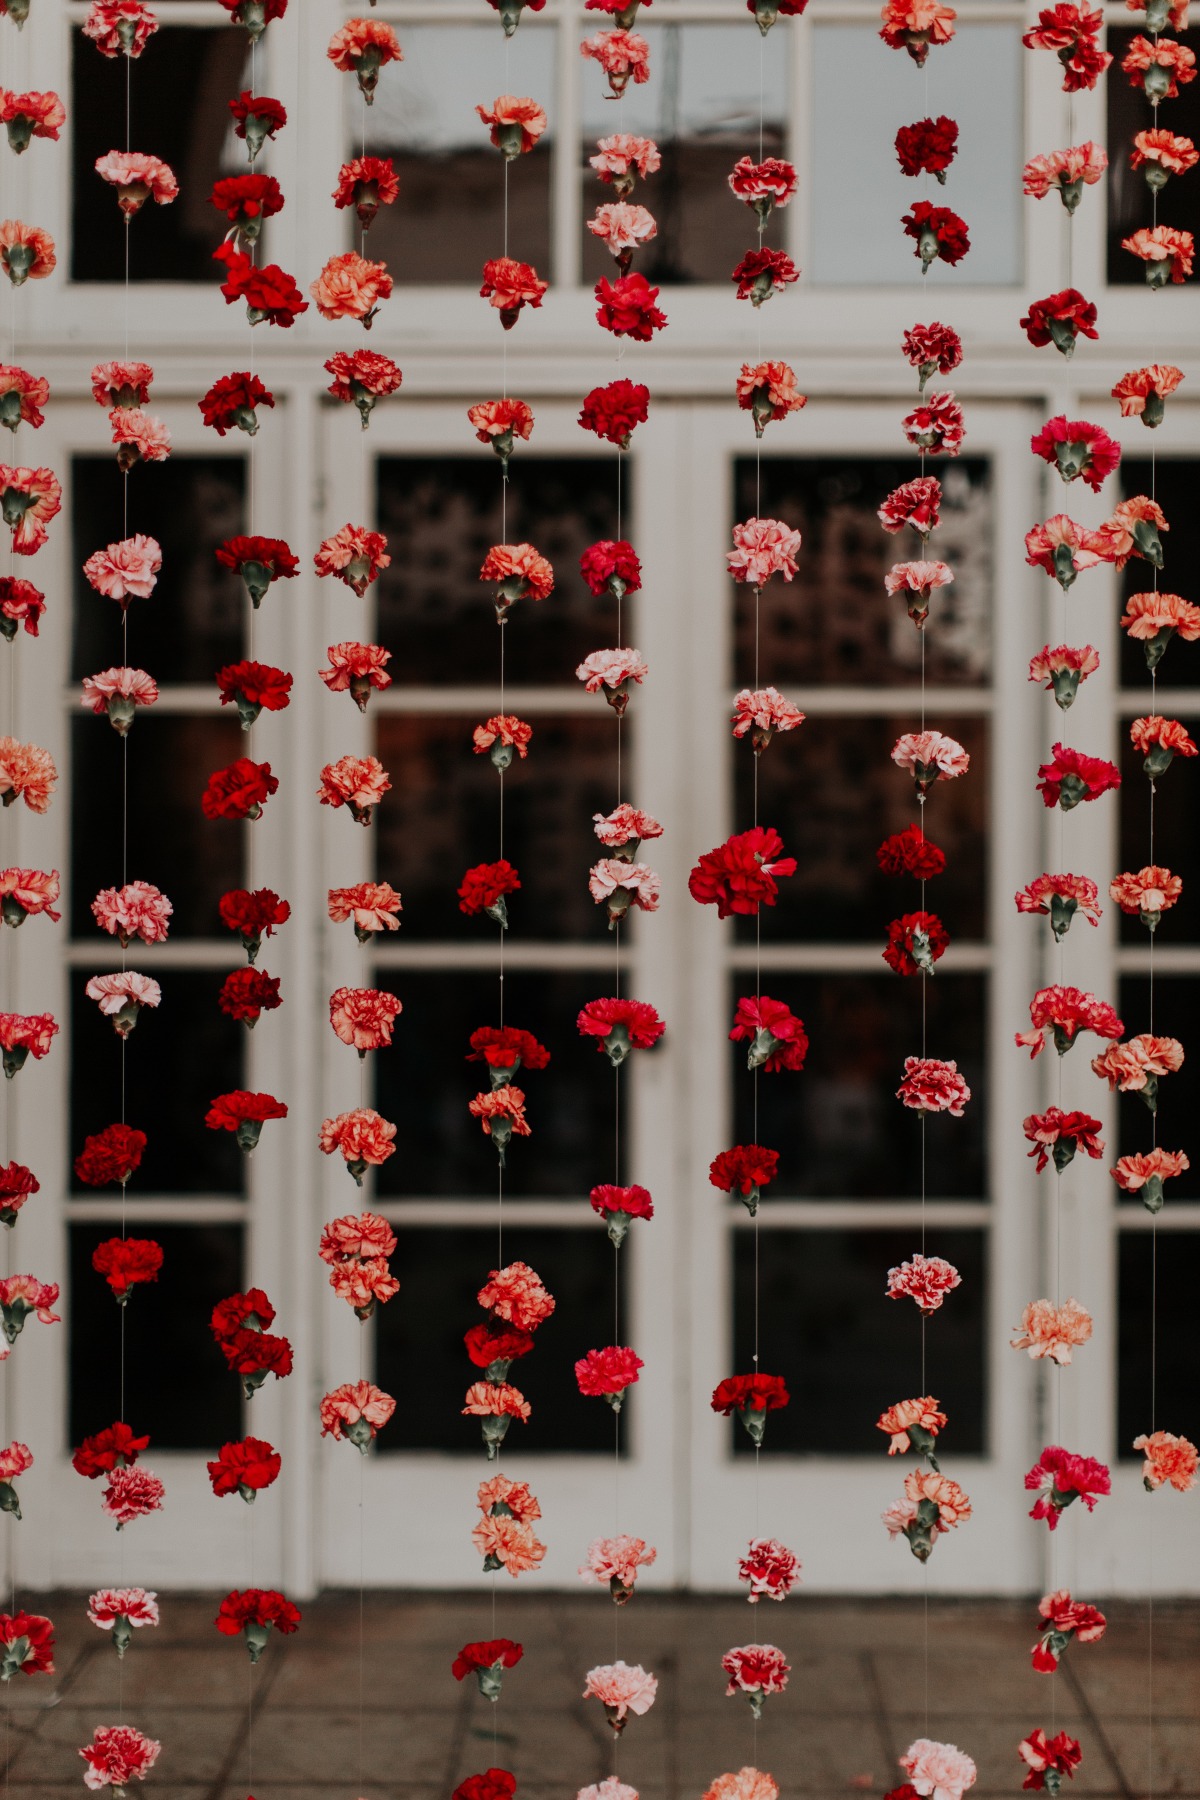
x=26, y=773
x=915, y=25
x=1047, y=1330
x=363, y=1137
x=743, y=1784
x=769, y=391
x=1070, y=171
x=912, y=1424
x=356, y=782
x=355, y=555
x=616, y=1560
x=520, y=573
x=621, y=1689
x=515, y=124
x=26, y=252
x=1169, y=1459
x=926, y=755
x=517, y=1295
x=1142, y=392
x=1149, y=892
x=364, y=46
x=356, y=669
x=356, y=1411
x=619, y=159
x=1166, y=253
x=351, y=287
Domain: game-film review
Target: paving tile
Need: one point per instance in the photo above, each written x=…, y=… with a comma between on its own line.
x=1176, y=1753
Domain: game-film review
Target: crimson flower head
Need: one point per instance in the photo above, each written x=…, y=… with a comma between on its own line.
x=620, y=1026
x=626, y=308
x=1072, y=777
x=1061, y=897
x=928, y=146
x=110, y=1155
x=745, y=1171
x=364, y=377
x=254, y=1612
x=752, y=1397
x=239, y=1325
x=26, y=1645
x=1077, y=449
x=608, y=1373
x=618, y=1205
x=269, y=292
x=1049, y=1759
x=763, y=185
x=244, y=1113
x=251, y=686
x=505, y=1049
x=767, y=11
x=259, y=561
x=1064, y=1012
x=1060, y=1477
x=1072, y=31
x=1059, y=319
x=914, y=503
x=1057, y=1135
x=777, y=1038
x=256, y=117
x=116, y=1447
x=936, y=425
x=493, y=1784
x=760, y=272
x=915, y=942
x=124, y=1262
x=1062, y=1619
x=483, y=888
x=612, y=412
x=246, y=200
x=493, y=1347
x=238, y=792
x=252, y=915
x=932, y=350
x=244, y=1468
x=247, y=993
x=366, y=184
x=21, y=604
x=739, y=874
x=487, y=1661
x=910, y=852
x=230, y=403
x=611, y=567
x=17, y=1185
x=938, y=232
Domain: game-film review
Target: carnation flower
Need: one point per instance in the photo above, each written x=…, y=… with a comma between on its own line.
x=363, y=1137
x=914, y=503
x=932, y=1504
x=938, y=232
x=917, y=581
x=231, y=402
x=500, y=423
x=932, y=350
x=925, y=1279
x=29, y=499
x=505, y=1050
x=26, y=892
x=20, y=604
x=520, y=574
x=620, y=159
x=244, y=1113
x=622, y=55
x=256, y=117
x=770, y=1568
x=614, y=411
x=777, y=1039
x=1160, y=741
x=1069, y=171
x=510, y=16
x=1137, y=1066
x=1061, y=1620
x=915, y=942
x=137, y=178
x=912, y=1425
x=501, y=1113
x=356, y=669
x=119, y=27
x=259, y=561
x=122, y=1611
x=138, y=910
x=239, y=1326
x=613, y=673
x=1072, y=777
x=362, y=376
x=1059, y=1477
x=1061, y=668
x=1049, y=1759
x=751, y=1397
x=131, y=1494
x=503, y=736
x=138, y=438
x=494, y=1347
x=355, y=782
x=617, y=1560
x=253, y=915
x=1170, y=1459
x=21, y=395
x=493, y=1784
x=1153, y=619
x=1059, y=319
x=1143, y=392
x=364, y=46
x=910, y=852
x=620, y=1688
x=760, y=272
x=928, y=147
x=928, y=755
x=620, y=884
x=124, y=1262
x=118, y=693
x=26, y=252
x=739, y=875
x=915, y=25
x=1159, y=67
x=110, y=1449
x=1077, y=449
x=350, y=287
x=608, y=1373
x=26, y=1644
x=110, y=1155
x=254, y=15
x=1166, y=253
x=936, y=425
x=18, y=1184
x=372, y=905
x=238, y=791
x=1133, y=530
x=1047, y=1330
x=611, y=567
x=502, y=1536
x=517, y=1295
x=623, y=830
x=23, y=1035
x=118, y=1755
x=1064, y=1012
x=762, y=712
x=626, y=308
x=1060, y=896
x=14, y=1461
x=942, y=1771
x=1144, y=1175
x=355, y=555
x=1057, y=1135
x=251, y=686
x=487, y=1661
x=367, y=183
x=364, y=1018
x=247, y=993
x=483, y=889
x=356, y=1411
x=254, y=1613
x=748, y=1783
x=122, y=995
x=270, y=292
x=245, y=1468
x=1072, y=31
x=618, y=1205
x=763, y=185
x=623, y=228
x=768, y=391
x=745, y=1171
x=515, y=124
x=246, y=200
x=509, y=285
x=756, y=1670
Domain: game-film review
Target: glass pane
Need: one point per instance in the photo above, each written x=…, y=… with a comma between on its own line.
x=701, y=107
x=836, y=622
x=1175, y=489
x=179, y=114
x=177, y=1387
x=1130, y=202
x=192, y=623
x=1174, y=1015
x=441, y=1271
x=442, y=816
x=833, y=793
x=979, y=83
x=839, y=1129
x=846, y=1351
x=424, y=1087
x=180, y=1055
x=442, y=514
x=446, y=223
x=171, y=844
x=1176, y=842
x=1176, y=1380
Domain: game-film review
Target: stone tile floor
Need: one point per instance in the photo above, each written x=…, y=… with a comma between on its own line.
x=858, y=1694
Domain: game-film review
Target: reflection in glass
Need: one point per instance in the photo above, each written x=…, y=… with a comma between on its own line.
x=170, y=843
x=1174, y=1015
x=180, y=114
x=832, y=791
x=838, y=1127
x=425, y=1083
x=846, y=1351
x=1165, y=1392
x=1176, y=842
x=701, y=107
x=441, y=1271
x=1174, y=485
x=181, y=1054
x=859, y=193
x=446, y=223
x=177, y=1387
x=835, y=622
x=442, y=514
x=1130, y=201
x=191, y=625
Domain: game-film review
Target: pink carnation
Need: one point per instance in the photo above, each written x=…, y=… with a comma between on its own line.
x=617, y=1560
x=770, y=1568
x=138, y=909
x=126, y=570
x=762, y=548
x=625, y=825
x=131, y=1493
x=621, y=1689
x=941, y=1771
x=925, y=1279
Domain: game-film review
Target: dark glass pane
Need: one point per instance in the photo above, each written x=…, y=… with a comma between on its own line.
x=1176, y=841
x=179, y=113
x=1176, y=1379
x=424, y=1085
x=442, y=816
x=701, y=106
x=835, y=622
x=171, y=844
x=847, y=1352
x=446, y=222
x=442, y=1271
x=177, y=1387
x=833, y=793
x=181, y=1053
x=443, y=514
x=838, y=1127
x=1174, y=486
x=192, y=623
x=1130, y=202
x=1174, y=1015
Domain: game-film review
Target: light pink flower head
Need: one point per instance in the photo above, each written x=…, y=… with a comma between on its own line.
x=621, y=54
x=611, y=669
x=930, y=1085
x=762, y=712
x=124, y=988
x=138, y=437
x=636, y=883
x=621, y=1688
x=617, y=1559
x=762, y=548
x=1053, y=1331
x=930, y=754
x=938, y=1771
x=131, y=686
x=619, y=157
x=126, y=570
x=622, y=227
x=625, y=825
x=356, y=1410
x=139, y=909
x=137, y=178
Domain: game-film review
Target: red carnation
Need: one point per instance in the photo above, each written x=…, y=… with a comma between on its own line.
x=493, y=1347
x=244, y=1468
x=252, y=915
x=611, y=566
x=248, y=993
x=239, y=1325
x=256, y=117
x=113, y=1448
x=927, y=146
x=505, y=1049
x=778, y=1039
x=254, y=1612
x=915, y=943
x=606, y=1374
x=938, y=232
x=238, y=791
x=124, y=1262
x=482, y=889
x=17, y=1185
x=111, y=1155
x=246, y=200
x=621, y=1026
x=752, y=1397
x=259, y=561
x=745, y=1170
x=909, y=852
x=366, y=184
x=1072, y=31
x=1072, y=777
x=231, y=401
x=1058, y=320
x=240, y=1311
x=244, y=1113
x=487, y=1661
x=932, y=350
x=252, y=686
x=269, y=292
x=494, y=1784
x=626, y=308
x=1078, y=448
x=760, y=272
x=612, y=412
x=739, y=874
x=20, y=604
x=1057, y=1135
